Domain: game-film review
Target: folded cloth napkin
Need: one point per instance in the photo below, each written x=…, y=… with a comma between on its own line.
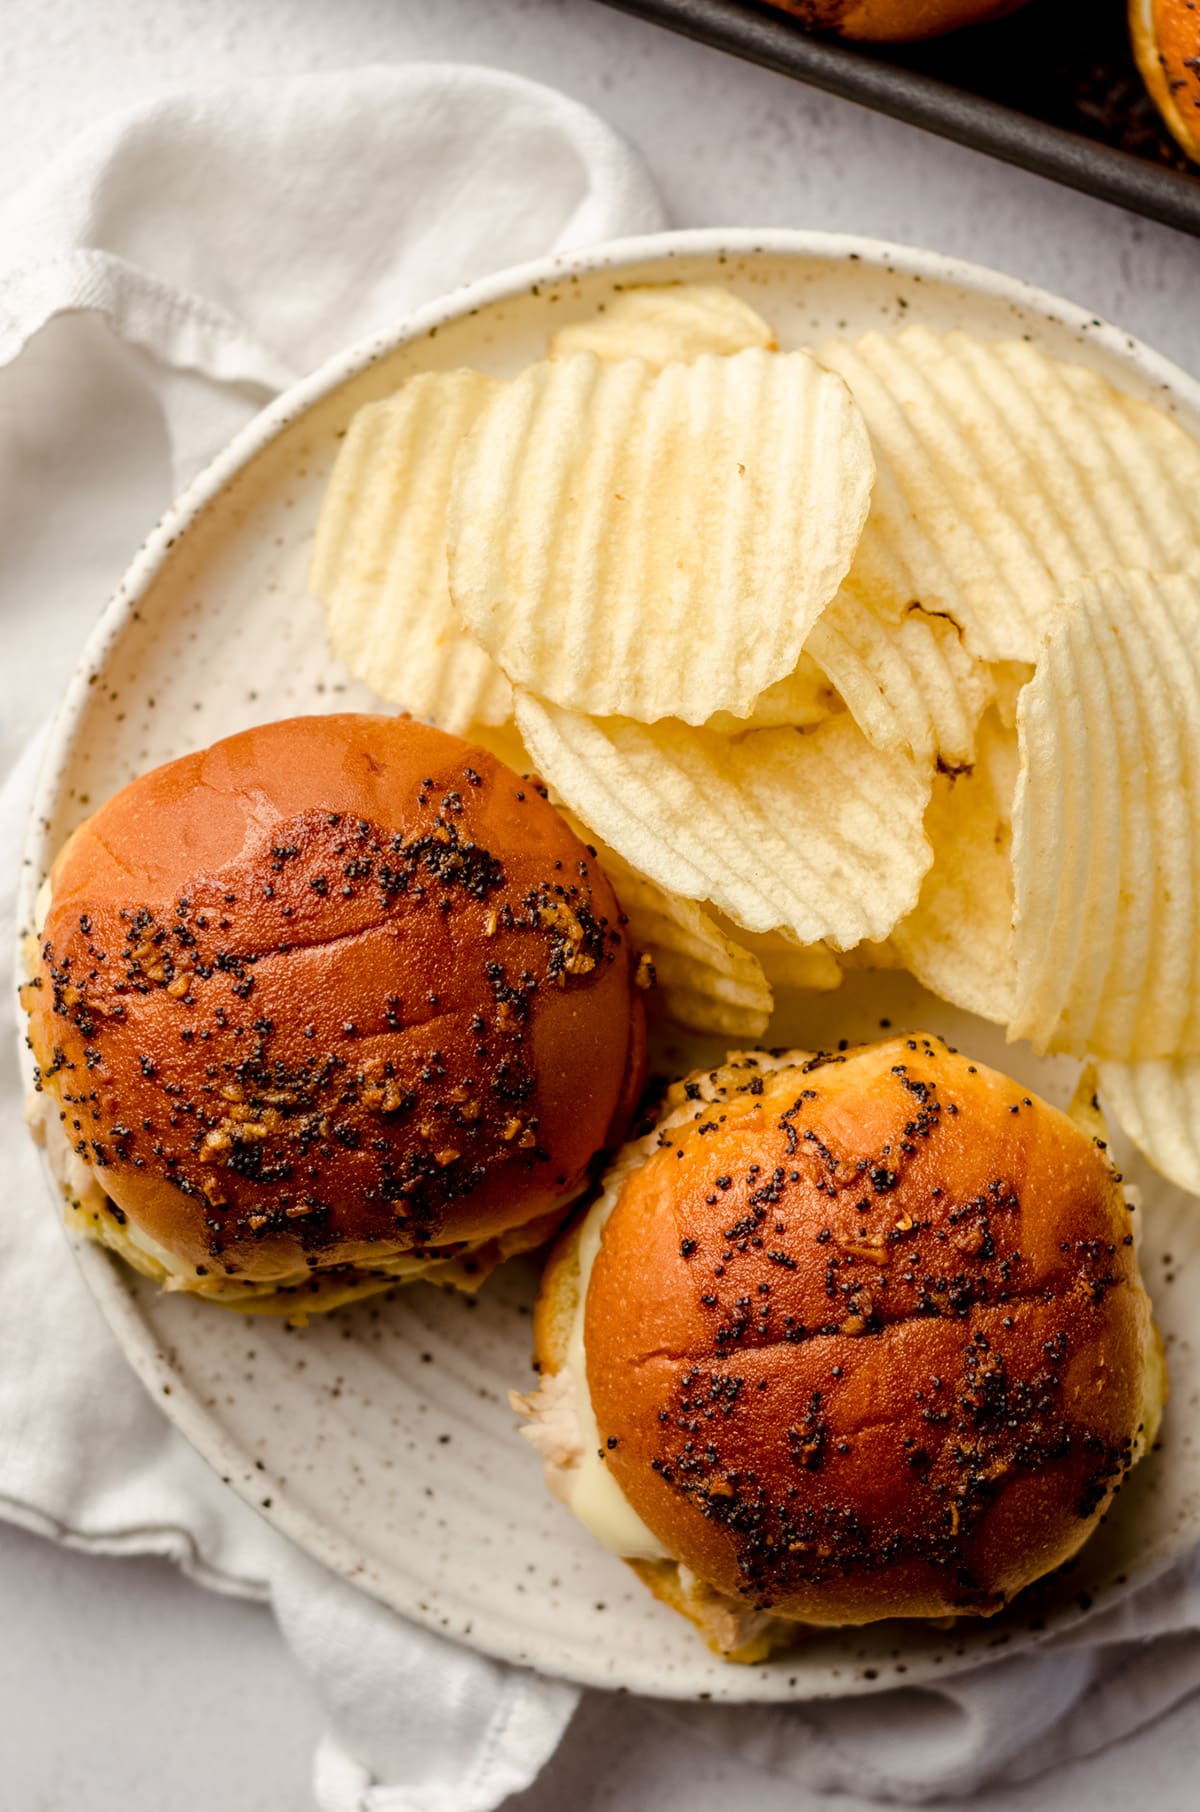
x=172, y=271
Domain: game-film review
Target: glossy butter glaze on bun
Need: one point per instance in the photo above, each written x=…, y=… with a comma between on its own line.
x=853, y=1336
x=1166, y=41
x=339, y=997
x=894, y=20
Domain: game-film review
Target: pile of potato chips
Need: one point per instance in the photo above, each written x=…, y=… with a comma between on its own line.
x=887, y=653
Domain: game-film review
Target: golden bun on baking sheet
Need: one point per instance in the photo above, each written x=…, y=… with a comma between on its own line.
x=338, y=997
x=1166, y=42
x=894, y=20
x=863, y=1336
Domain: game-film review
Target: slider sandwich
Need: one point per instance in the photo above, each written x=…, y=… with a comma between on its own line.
x=338, y=1002
x=846, y=1337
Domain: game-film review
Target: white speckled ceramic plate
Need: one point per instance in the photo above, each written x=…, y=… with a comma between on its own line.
x=379, y=1439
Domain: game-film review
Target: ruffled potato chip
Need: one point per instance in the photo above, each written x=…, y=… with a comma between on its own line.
x=1106, y=825
x=793, y=967
x=804, y=698
x=1084, y=1107
x=817, y=833
x=908, y=685
x=870, y=954
x=704, y=979
x=1003, y=476
x=1008, y=679
x=958, y=940
x=505, y=742
x=657, y=543
x=1157, y=1104
x=379, y=562
x=664, y=322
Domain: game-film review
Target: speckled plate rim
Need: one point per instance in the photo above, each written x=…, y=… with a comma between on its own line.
x=153, y=1366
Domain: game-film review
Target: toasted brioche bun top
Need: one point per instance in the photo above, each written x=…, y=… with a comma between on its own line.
x=1166, y=41
x=895, y=19
x=866, y=1336
x=332, y=988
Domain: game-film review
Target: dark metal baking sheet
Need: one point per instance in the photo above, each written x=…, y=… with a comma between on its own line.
x=1053, y=88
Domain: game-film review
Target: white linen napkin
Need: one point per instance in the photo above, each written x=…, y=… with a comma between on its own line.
x=172, y=271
